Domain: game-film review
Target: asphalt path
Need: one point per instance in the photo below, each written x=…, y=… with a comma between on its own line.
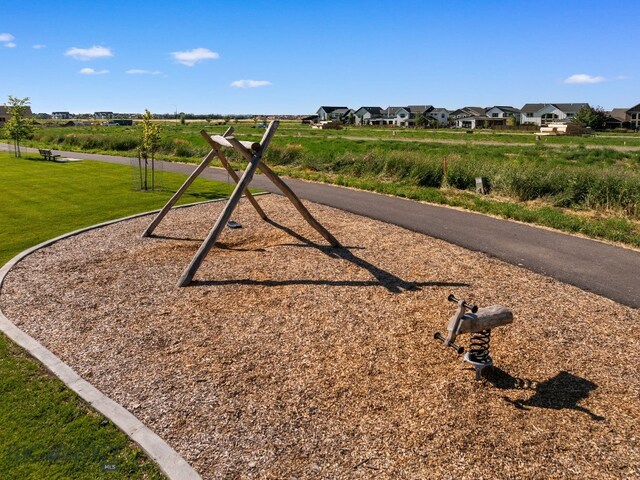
x=607, y=270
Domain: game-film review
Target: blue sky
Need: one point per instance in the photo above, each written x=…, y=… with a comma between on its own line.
x=290, y=57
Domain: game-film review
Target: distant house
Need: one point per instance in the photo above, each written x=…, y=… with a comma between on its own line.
x=121, y=122
x=634, y=117
x=501, y=111
x=618, y=118
x=103, y=115
x=467, y=112
x=479, y=121
x=60, y=115
x=545, y=113
x=368, y=116
x=333, y=113
x=400, y=116
x=4, y=114
x=407, y=116
x=441, y=115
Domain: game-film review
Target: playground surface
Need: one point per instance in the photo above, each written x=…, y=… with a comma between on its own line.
x=286, y=358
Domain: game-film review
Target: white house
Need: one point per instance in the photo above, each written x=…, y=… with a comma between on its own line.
x=368, y=116
x=479, y=121
x=634, y=117
x=545, y=113
x=501, y=111
x=333, y=113
x=441, y=115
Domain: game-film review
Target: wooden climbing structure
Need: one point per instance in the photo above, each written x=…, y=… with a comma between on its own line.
x=253, y=153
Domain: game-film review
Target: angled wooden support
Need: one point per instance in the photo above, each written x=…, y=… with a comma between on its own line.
x=284, y=188
x=172, y=201
x=254, y=161
x=231, y=171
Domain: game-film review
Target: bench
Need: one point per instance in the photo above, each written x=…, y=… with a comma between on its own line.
x=48, y=154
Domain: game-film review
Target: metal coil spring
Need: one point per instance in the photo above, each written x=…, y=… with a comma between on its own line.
x=479, y=347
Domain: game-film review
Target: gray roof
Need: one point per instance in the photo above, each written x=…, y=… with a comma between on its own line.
x=469, y=111
x=635, y=108
x=391, y=110
x=565, y=107
x=571, y=107
x=619, y=114
x=419, y=108
x=371, y=110
x=533, y=107
x=333, y=109
x=506, y=108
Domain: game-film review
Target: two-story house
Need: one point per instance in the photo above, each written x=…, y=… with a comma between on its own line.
x=634, y=117
x=544, y=113
x=503, y=111
x=368, y=116
x=333, y=113
x=467, y=112
x=441, y=115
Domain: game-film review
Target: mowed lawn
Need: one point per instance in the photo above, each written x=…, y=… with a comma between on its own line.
x=46, y=431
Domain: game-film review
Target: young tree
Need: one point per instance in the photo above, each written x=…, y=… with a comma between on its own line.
x=591, y=117
x=149, y=146
x=18, y=126
x=422, y=121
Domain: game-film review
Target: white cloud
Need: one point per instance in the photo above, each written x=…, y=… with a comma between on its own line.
x=136, y=71
x=91, y=71
x=6, y=37
x=84, y=54
x=250, y=83
x=191, y=57
x=39, y=46
x=583, y=78
x=10, y=45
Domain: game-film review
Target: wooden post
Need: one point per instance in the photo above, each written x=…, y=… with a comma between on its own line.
x=284, y=188
x=176, y=196
x=231, y=171
x=192, y=268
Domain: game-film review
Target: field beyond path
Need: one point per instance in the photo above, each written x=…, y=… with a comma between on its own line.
x=287, y=358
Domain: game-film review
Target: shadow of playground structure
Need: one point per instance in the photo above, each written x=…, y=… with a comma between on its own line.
x=382, y=277
x=564, y=391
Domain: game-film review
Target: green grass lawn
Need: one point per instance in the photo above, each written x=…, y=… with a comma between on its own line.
x=46, y=431
x=40, y=200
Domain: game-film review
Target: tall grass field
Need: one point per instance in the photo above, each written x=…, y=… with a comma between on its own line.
x=589, y=185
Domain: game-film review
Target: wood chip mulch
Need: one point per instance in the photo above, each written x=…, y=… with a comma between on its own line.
x=288, y=359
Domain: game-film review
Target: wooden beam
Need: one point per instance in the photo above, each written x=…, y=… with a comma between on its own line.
x=284, y=188
x=231, y=171
x=223, y=140
x=176, y=196
x=192, y=268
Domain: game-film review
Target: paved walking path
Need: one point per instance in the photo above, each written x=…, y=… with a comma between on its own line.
x=610, y=271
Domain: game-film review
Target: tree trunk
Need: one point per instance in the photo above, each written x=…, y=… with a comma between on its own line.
x=146, y=187
x=140, y=169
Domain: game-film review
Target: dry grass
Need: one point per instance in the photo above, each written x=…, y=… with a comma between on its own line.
x=288, y=359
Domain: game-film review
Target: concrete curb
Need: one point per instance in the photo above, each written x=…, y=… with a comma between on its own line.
x=167, y=459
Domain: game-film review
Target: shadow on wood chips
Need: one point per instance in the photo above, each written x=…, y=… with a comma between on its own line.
x=564, y=391
x=383, y=278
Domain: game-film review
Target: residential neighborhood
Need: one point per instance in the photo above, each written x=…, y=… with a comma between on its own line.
x=470, y=117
